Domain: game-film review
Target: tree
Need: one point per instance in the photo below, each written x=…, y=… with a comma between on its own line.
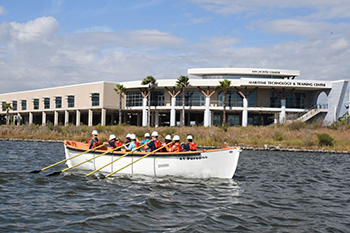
x=8, y=107
x=182, y=82
x=150, y=81
x=120, y=89
x=224, y=86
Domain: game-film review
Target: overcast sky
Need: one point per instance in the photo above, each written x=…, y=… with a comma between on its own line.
x=60, y=42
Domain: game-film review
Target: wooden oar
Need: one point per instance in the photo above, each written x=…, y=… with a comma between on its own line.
x=37, y=171
x=137, y=160
x=115, y=160
x=66, y=169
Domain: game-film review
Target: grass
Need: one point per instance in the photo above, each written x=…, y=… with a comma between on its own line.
x=286, y=136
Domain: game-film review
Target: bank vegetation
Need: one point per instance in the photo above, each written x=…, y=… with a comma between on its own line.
x=297, y=135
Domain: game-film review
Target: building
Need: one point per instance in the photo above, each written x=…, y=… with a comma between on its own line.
x=257, y=97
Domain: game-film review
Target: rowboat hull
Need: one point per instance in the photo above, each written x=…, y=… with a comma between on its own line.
x=220, y=163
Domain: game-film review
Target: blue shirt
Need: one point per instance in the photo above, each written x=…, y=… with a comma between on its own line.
x=133, y=146
x=146, y=141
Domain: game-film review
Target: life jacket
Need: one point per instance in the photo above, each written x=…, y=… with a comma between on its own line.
x=176, y=147
x=95, y=144
x=193, y=146
x=117, y=143
x=137, y=144
x=157, y=143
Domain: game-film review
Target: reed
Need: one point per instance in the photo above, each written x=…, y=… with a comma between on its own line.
x=296, y=136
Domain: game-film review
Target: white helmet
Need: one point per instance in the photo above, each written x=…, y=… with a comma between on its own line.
x=132, y=136
x=189, y=137
x=128, y=135
x=112, y=136
x=155, y=134
x=176, y=138
x=147, y=135
x=94, y=132
x=168, y=137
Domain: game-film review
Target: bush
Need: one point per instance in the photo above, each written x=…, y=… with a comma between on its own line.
x=296, y=125
x=325, y=140
x=278, y=136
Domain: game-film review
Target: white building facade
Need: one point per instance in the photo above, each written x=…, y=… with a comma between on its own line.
x=256, y=97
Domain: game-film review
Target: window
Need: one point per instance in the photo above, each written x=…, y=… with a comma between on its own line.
x=14, y=105
x=36, y=104
x=157, y=98
x=133, y=98
x=58, y=101
x=95, y=99
x=46, y=103
x=192, y=98
x=3, y=106
x=70, y=100
x=294, y=100
x=233, y=99
x=24, y=104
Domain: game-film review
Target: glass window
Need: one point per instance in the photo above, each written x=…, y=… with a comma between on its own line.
x=58, y=101
x=24, y=104
x=95, y=99
x=192, y=98
x=14, y=105
x=294, y=100
x=46, y=103
x=133, y=98
x=233, y=99
x=70, y=100
x=157, y=98
x=36, y=104
x=3, y=106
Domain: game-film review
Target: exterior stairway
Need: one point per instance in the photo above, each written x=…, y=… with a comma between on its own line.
x=310, y=114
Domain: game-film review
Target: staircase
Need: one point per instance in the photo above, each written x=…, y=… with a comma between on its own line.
x=310, y=114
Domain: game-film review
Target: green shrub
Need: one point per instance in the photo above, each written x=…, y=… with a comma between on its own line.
x=297, y=125
x=278, y=136
x=325, y=139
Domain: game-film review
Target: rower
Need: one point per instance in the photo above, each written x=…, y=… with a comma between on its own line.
x=176, y=147
x=147, y=140
x=190, y=146
x=127, y=138
x=134, y=144
x=167, y=147
x=154, y=143
x=114, y=142
x=93, y=141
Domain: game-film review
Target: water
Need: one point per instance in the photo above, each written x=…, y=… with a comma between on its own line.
x=271, y=192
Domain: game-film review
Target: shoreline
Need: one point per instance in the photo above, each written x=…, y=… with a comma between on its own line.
x=251, y=148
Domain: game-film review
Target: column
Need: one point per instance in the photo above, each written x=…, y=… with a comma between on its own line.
x=207, y=112
x=55, y=120
x=43, y=118
x=91, y=114
x=77, y=123
x=283, y=111
x=66, y=117
x=156, y=119
x=173, y=112
x=245, y=112
x=30, y=118
x=103, y=116
x=19, y=119
x=144, y=112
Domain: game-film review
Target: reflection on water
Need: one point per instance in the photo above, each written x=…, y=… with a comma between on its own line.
x=271, y=192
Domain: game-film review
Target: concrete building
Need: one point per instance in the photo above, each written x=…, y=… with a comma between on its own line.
x=257, y=97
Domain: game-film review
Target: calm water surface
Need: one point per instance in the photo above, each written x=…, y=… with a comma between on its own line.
x=271, y=192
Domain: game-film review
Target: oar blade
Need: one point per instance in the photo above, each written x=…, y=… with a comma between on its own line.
x=35, y=171
x=54, y=173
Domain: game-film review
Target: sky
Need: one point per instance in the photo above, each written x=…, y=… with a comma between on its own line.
x=49, y=43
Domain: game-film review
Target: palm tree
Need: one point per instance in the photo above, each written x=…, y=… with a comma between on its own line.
x=182, y=82
x=150, y=81
x=224, y=86
x=121, y=91
x=8, y=107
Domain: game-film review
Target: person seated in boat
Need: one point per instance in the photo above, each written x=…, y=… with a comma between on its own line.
x=154, y=143
x=190, y=146
x=134, y=144
x=114, y=142
x=127, y=138
x=147, y=140
x=176, y=146
x=166, y=147
x=93, y=141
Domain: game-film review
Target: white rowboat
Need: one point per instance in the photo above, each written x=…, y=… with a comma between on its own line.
x=220, y=163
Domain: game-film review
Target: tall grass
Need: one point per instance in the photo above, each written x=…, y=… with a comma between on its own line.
x=288, y=136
